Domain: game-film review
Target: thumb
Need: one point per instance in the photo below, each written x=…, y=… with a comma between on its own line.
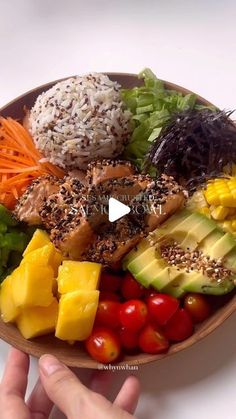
x=62, y=387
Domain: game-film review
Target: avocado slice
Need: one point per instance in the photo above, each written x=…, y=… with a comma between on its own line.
x=163, y=278
x=143, y=259
x=230, y=260
x=193, y=231
x=198, y=233
x=136, y=252
x=174, y=220
x=175, y=287
x=222, y=247
x=147, y=275
x=164, y=229
x=210, y=241
x=202, y=284
x=154, y=236
x=218, y=237
x=186, y=224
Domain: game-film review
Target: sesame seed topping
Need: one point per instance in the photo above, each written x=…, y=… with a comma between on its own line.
x=194, y=261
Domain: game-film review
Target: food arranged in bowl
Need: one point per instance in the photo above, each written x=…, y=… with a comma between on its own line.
x=145, y=280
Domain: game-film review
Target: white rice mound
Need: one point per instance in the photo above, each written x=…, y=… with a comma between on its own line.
x=80, y=119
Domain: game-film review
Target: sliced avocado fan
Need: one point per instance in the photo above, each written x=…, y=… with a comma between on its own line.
x=192, y=232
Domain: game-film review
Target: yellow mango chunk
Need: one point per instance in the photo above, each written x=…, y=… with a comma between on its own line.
x=9, y=311
x=46, y=255
x=77, y=312
x=38, y=321
x=74, y=276
x=54, y=287
x=40, y=238
x=42, y=256
x=32, y=285
x=56, y=261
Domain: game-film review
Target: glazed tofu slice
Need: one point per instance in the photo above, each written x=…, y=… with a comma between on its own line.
x=73, y=238
x=29, y=205
x=159, y=200
x=114, y=242
x=64, y=216
x=155, y=200
x=75, y=214
x=124, y=189
x=101, y=170
x=58, y=207
x=78, y=174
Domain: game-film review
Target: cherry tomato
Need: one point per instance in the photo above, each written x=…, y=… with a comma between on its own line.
x=197, y=306
x=152, y=340
x=107, y=295
x=110, y=282
x=108, y=314
x=130, y=288
x=149, y=292
x=133, y=314
x=161, y=307
x=129, y=340
x=179, y=327
x=103, y=345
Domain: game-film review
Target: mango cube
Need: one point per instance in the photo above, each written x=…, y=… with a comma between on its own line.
x=76, y=316
x=32, y=285
x=55, y=287
x=38, y=321
x=40, y=238
x=74, y=276
x=42, y=256
x=56, y=261
x=42, y=251
x=9, y=311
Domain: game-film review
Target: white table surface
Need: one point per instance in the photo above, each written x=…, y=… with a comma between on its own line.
x=191, y=43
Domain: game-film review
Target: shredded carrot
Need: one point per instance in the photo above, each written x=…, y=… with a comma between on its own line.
x=20, y=162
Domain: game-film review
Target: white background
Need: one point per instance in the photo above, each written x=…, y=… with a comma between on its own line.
x=191, y=43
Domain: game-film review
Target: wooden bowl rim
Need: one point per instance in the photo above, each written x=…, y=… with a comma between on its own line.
x=50, y=344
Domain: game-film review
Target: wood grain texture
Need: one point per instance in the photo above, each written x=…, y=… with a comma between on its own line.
x=75, y=356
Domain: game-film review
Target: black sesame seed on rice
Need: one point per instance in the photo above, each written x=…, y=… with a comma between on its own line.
x=85, y=109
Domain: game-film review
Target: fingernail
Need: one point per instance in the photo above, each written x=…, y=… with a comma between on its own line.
x=48, y=364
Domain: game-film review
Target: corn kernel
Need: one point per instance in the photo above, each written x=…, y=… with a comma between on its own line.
x=219, y=213
x=233, y=224
x=221, y=192
x=232, y=212
x=211, y=198
x=227, y=226
x=205, y=211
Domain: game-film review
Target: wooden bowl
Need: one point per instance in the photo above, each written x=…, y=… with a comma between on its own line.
x=75, y=356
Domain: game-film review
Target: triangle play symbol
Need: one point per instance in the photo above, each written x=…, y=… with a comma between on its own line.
x=116, y=209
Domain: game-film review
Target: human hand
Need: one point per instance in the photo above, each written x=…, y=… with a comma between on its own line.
x=13, y=389
x=59, y=386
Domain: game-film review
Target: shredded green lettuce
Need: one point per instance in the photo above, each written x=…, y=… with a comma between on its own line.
x=152, y=106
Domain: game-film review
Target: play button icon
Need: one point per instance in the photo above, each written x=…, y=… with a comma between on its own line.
x=116, y=209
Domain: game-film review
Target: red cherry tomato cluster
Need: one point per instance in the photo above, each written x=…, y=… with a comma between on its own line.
x=130, y=319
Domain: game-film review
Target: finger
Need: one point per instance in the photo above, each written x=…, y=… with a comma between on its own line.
x=38, y=402
x=100, y=382
x=62, y=386
x=127, y=398
x=15, y=377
